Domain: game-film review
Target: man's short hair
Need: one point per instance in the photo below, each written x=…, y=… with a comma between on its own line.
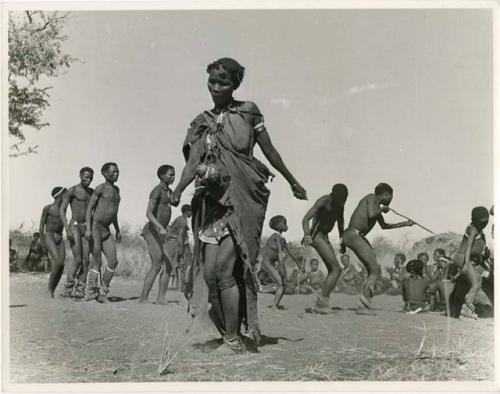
x=276, y=221
x=401, y=255
x=382, y=188
x=440, y=251
x=86, y=169
x=105, y=167
x=163, y=169
x=422, y=254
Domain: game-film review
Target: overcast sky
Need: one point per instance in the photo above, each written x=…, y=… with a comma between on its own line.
x=352, y=96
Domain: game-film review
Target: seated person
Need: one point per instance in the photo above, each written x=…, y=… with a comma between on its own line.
x=435, y=271
x=296, y=283
x=349, y=281
x=415, y=288
x=314, y=278
x=396, y=271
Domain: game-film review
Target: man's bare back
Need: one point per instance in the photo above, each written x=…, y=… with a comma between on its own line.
x=327, y=216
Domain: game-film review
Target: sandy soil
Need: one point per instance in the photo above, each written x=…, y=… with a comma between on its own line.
x=63, y=341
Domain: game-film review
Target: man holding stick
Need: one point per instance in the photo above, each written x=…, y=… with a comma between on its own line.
x=367, y=213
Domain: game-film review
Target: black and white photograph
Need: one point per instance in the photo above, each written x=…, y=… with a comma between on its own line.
x=223, y=194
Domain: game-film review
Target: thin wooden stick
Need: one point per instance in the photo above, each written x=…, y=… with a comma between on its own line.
x=418, y=224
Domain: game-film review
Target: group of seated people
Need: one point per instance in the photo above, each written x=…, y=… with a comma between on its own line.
x=425, y=285
x=309, y=279
x=37, y=259
x=437, y=285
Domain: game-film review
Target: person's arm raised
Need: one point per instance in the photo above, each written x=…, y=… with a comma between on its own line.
x=388, y=226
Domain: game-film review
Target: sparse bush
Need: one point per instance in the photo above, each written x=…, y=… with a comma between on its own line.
x=134, y=260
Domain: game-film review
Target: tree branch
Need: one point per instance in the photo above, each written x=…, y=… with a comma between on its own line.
x=43, y=27
x=29, y=151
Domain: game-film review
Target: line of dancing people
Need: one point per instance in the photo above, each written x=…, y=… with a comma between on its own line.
x=93, y=212
x=228, y=211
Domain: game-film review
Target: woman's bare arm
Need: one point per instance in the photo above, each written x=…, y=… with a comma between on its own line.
x=271, y=154
x=188, y=172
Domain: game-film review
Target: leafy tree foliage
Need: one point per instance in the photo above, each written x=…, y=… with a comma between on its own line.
x=35, y=53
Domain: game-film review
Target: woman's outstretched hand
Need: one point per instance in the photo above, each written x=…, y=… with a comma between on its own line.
x=175, y=198
x=299, y=192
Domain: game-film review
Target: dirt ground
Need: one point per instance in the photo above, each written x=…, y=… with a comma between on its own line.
x=63, y=341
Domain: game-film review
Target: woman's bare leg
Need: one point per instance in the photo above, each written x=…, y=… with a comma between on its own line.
x=229, y=292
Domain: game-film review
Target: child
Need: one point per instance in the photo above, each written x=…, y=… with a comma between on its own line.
x=435, y=272
x=296, y=282
x=472, y=246
x=154, y=232
x=423, y=257
x=325, y=212
x=350, y=277
x=441, y=261
x=273, y=257
x=395, y=272
x=51, y=227
x=102, y=211
x=315, y=277
x=415, y=288
x=78, y=198
x=177, y=237
x=36, y=254
x=367, y=213
x=12, y=258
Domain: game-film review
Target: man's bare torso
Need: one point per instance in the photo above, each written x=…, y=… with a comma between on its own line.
x=360, y=220
x=79, y=199
x=53, y=222
x=106, y=210
x=162, y=211
x=327, y=216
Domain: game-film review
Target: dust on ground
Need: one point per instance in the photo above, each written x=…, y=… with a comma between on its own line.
x=63, y=341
